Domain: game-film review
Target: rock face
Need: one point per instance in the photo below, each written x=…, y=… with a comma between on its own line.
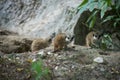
x=38, y=18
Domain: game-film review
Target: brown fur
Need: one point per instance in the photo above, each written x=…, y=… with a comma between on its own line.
x=40, y=43
x=60, y=42
x=89, y=38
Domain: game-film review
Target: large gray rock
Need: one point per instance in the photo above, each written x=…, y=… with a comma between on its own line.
x=38, y=18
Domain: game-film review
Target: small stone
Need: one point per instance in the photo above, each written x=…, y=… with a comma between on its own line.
x=9, y=59
x=73, y=67
x=41, y=52
x=17, y=58
x=102, y=69
x=55, y=55
x=33, y=60
x=49, y=53
x=98, y=60
x=56, y=67
x=92, y=67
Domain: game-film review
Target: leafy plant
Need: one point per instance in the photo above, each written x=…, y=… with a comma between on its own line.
x=40, y=70
x=101, y=6
x=106, y=42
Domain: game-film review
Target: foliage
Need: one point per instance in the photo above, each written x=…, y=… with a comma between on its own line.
x=106, y=42
x=40, y=70
x=101, y=6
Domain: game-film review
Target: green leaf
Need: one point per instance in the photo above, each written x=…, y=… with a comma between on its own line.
x=46, y=71
x=109, y=2
x=92, y=22
x=110, y=39
x=100, y=3
x=108, y=18
x=103, y=41
x=92, y=6
x=117, y=21
x=103, y=10
x=117, y=5
x=83, y=3
x=115, y=24
x=40, y=70
x=82, y=9
x=83, y=6
x=37, y=66
x=91, y=16
x=105, y=35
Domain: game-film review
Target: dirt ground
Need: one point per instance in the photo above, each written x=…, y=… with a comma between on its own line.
x=72, y=64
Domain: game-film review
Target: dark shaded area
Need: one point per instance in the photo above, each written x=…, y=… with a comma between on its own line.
x=6, y=32
x=81, y=29
x=24, y=45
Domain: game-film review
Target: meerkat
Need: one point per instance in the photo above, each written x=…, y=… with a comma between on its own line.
x=40, y=43
x=60, y=42
x=90, y=38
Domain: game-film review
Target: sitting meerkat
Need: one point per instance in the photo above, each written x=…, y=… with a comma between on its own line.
x=40, y=43
x=91, y=38
x=60, y=41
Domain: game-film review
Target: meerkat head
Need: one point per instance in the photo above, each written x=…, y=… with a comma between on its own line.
x=69, y=38
x=95, y=36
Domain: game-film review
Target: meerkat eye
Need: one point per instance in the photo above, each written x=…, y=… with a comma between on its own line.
x=67, y=39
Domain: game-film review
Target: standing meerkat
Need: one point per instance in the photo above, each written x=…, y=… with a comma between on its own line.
x=91, y=38
x=40, y=43
x=60, y=41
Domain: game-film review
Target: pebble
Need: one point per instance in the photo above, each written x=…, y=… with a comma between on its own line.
x=98, y=60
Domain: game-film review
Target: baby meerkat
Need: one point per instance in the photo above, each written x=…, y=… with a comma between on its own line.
x=40, y=43
x=60, y=41
x=90, y=38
